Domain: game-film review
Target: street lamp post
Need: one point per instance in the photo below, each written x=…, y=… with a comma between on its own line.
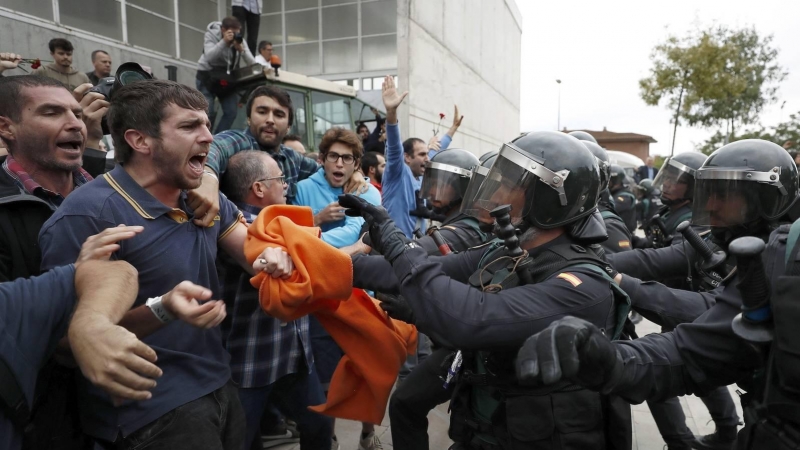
x=558, y=126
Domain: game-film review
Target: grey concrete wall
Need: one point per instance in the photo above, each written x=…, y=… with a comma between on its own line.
x=30, y=40
x=464, y=52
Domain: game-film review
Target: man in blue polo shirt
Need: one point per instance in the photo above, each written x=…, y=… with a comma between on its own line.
x=161, y=136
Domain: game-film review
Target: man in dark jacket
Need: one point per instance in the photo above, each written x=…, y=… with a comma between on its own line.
x=41, y=124
x=647, y=171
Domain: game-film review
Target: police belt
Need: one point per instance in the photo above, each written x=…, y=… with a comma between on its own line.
x=510, y=385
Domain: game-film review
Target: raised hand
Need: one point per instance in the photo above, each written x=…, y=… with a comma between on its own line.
x=391, y=99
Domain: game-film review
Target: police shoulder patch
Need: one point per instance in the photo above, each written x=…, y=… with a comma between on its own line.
x=624, y=244
x=570, y=278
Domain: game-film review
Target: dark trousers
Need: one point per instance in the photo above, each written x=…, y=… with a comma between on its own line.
x=250, y=24
x=671, y=420
x=721, y=407
x=214, y=422
x=420, y=392
x=294, y=393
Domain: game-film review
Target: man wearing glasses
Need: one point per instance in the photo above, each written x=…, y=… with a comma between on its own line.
x=340, y=152
x=270, y=360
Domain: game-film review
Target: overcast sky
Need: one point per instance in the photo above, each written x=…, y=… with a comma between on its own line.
x=600, y=49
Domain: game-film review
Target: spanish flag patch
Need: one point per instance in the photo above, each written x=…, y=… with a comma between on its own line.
x=624, y=244
x=572, y=279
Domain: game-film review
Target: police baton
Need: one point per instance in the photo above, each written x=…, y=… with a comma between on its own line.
x=754, y=323
x=711, y=259
x=441, y=244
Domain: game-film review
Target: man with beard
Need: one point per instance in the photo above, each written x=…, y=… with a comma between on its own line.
x=372, y=166
x=269, y=116
x=161, y=135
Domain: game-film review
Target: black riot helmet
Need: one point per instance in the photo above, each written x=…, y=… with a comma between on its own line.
x=479, y=173
x=602, y=160
x=583, y=136
x=549, y=178
x=646, y=189
x=742, y=184
x=675, y=180
x=617, y=176
x=446, y=177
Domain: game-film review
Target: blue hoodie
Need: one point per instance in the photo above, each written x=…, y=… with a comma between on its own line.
x=316, y=192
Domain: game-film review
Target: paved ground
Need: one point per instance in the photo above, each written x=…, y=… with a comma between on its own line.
x=646, y=436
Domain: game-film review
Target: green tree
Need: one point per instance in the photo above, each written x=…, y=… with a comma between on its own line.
x=713, y=76
x=780, y=134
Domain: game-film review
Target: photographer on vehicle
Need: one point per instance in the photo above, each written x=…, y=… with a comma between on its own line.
x=223, y=50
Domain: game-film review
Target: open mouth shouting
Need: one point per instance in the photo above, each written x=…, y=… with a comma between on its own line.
x=197, y=163
x=337, y=177
x=71, y=146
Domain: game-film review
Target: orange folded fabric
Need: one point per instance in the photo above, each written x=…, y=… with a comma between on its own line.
x=375, y=346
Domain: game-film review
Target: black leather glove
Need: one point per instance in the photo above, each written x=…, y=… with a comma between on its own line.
x=397, y=307
x=384, y=235
x=572, y=349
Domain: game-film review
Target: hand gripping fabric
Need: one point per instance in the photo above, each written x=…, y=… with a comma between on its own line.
x=375, y=346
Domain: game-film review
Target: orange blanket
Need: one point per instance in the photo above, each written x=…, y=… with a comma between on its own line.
x=374, y=345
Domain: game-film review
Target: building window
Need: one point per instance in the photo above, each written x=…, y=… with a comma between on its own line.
x=378, y=17
x=302, y=26
x=340, y=56
x=101, y=17
x=150, y=31
x=303, y=58
x=379, y=52
x=340, y=22
x=38, y=8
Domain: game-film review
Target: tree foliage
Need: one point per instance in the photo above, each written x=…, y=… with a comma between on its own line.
x=714, y=77
x=785, y=132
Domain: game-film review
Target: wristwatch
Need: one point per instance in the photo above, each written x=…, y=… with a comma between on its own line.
x=157, y=306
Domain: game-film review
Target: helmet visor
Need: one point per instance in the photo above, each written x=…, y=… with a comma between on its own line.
x=468, y=204
x=675, y=180
x=441, y=184
x=727, y=197
x=512, y=180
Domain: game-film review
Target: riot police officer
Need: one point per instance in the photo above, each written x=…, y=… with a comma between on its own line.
x=648, y=203
x=675, y=181
x=619, y=237
x=422, y=390
x=551, y=182
x=623, y=198
x=745, y=187
x=444, y=186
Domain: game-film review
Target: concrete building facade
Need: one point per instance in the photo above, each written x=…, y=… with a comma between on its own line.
x=444, y=52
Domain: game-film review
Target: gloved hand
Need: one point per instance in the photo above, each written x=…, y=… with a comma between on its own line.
x=384, y=235
x=572, y=349
x=397, y=307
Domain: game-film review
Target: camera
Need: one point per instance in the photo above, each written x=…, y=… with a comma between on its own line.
x=238, y=38
x=127, y=73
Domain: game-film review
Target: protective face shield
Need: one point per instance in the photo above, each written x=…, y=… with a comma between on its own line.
x=443, y=185
x=514, y=179
x=727, y=197
x=479, y=173
x=675, y=180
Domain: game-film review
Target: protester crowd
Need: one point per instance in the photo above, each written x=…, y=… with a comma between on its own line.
x=234, y=290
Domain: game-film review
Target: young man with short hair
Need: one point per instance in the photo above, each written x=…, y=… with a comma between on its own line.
x=340, y=151
x=161, y=136
x=61, y=69
x=102, y=66
x=372, y=166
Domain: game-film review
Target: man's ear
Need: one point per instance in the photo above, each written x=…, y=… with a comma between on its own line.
x=139, y=142
x=406, y=158
x=258, y=189
x=7, y=129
